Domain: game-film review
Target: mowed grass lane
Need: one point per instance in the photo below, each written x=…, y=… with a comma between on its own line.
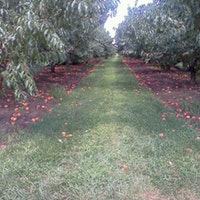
x=106, y=140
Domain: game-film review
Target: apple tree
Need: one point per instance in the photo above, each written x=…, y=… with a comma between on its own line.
x=35, y=33
x=165, y=32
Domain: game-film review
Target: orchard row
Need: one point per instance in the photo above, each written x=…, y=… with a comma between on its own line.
x=38, y=33
x=165, y=32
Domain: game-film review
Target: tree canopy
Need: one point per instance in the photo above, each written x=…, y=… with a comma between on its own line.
x=36, y=33
x=167, y=32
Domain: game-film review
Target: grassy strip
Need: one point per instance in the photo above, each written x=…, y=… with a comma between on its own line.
x=106, y=140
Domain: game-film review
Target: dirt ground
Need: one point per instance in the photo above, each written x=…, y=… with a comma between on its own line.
x=20, y=113
x=170, y=87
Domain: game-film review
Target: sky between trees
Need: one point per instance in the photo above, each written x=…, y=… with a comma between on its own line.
x=112, y=22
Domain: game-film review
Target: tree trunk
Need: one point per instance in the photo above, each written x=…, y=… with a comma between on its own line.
x=192, y=70
x=1, y=82
x=193, y=75
x=53, y=68
x=2, y=68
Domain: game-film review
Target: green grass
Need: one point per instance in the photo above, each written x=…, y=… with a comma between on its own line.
x=115, y=151
x=191, y=105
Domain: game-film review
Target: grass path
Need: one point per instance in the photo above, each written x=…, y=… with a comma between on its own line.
x=106, y=140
